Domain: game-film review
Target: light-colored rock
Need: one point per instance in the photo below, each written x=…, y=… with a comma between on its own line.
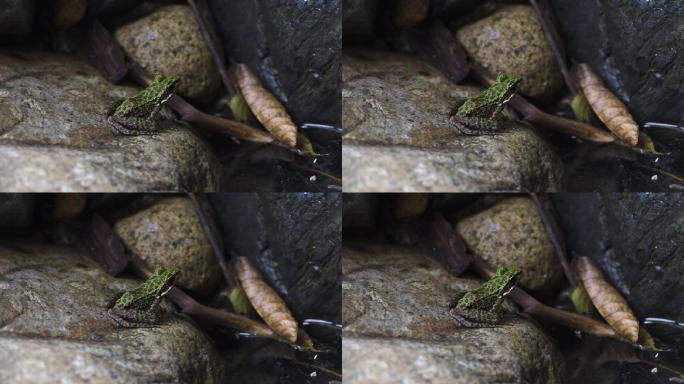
x=54, y=134
x=169, y=234
x=511, y=233
x=511, y=41
x=169, y=42
x=54, y=327
x=397, y=327
x=398, y=137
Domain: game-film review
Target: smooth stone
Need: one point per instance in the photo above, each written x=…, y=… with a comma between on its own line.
x=511, y=233
x=54, y=327
x=397, y=326
x=169, y=42
x=637, y=239
x=511, y=41
x=398, y=137
x=293, y=46
x=294, y=239
x=169, y=234
x=55, y=135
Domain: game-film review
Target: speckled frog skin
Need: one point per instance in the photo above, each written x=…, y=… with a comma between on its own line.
x=139, y=114
x=481, y=307
x=481, y=114
x=139, y=307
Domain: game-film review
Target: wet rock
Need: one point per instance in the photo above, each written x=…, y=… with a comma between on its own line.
x=16, y=17
x=294, y=240
x=397, y=326
x=293, y=46
x=54, y=327
x=398, y=136
x=511, y=233
x=636, y=47
x=358, y=19
x=16, y=210
x=637, y=239
x=511, y=41
x=169, y=42
x=54, y=132
x=169, y=234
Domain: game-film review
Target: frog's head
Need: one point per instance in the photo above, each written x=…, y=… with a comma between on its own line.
x=164, y=279
x=162, y=87
x=505, y=279
x=507, y=86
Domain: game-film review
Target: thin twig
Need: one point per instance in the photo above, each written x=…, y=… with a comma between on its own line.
x=661, y=171
x=212, y=48
x=334, y=178
x=560, y=252
x=218, y=251
x=330, y=372
x=191, y=307
x=546, y=28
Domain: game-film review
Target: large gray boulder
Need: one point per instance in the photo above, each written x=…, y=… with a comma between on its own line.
x=293, y=46
x=398, y=137
x=638, y=241
x=397, y=328
x=54, y=327
x=54, y=134
x=636, y=47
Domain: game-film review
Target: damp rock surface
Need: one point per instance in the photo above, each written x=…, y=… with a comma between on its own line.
x=398, y=137
x=54, y=327
x=55, y=134
x=397, y=326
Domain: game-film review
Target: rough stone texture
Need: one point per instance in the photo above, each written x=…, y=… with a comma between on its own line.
x=16, y=17
x=637, y=47
x=54, y=327
x=398, y=136
x=294, y=239
x=54, y=133
x=397, y=327
x=511, y=41
x=637, y=239
x=294, y=47
x=16, y=210
x=169, y=42
x=511, y=233
x=358, y=19
x=169, y=234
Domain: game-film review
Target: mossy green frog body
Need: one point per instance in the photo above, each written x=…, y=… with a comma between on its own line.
x=481, y=306
x=139, y=114
x=139, y=307
x=481, y=114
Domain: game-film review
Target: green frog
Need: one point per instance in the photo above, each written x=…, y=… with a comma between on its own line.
x=481, y=114
x=481, y=307
x=139, y=114
x=139, y=307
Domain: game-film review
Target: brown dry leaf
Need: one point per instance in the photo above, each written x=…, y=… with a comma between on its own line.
x=612, y=112
x=267, y=109
x=265, y=300
x=610, y=304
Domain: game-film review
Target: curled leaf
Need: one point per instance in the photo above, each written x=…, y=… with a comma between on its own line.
x=265, y=300
x=581, y=107
x=612, y=112
x=267, y=109
x=580, y=300
x=239, y=300
x=610, y=304
x=239, y=108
